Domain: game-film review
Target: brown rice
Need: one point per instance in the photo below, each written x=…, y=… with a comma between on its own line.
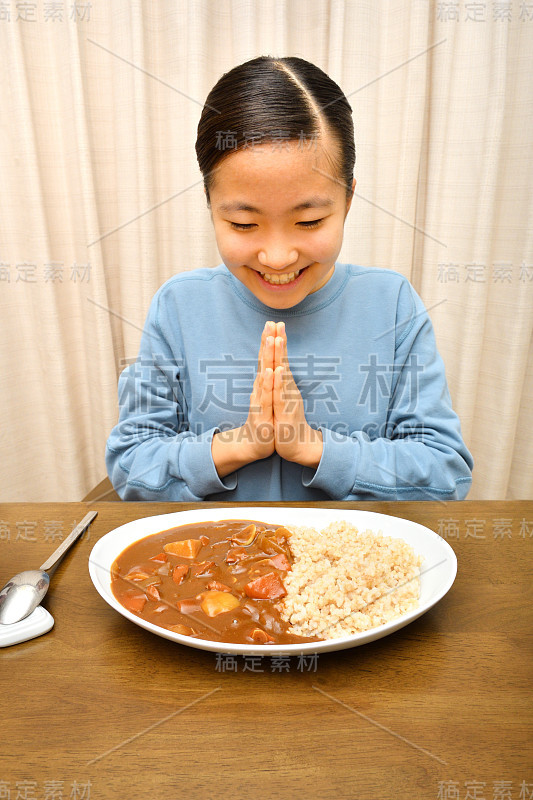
x=344, y=582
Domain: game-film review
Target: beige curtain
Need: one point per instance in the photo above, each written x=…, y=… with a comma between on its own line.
x=102, y=199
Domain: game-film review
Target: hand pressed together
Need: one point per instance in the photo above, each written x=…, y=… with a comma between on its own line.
x=294, y=439
x=276, y=419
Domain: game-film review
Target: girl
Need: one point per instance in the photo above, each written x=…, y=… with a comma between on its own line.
x=348, y=398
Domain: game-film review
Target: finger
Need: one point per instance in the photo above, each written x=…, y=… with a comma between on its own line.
x=261, y=348
x=268, y=330
x=286, y=392
x=281, y=333
x=268, y=353
x=278, y=395
x=261, y=397
x=280, y=355
x=255, y=397
x=267, y=384
x=268, y=380
x=278, y=398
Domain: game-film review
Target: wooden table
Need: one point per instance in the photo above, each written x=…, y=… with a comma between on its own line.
x=100, y=708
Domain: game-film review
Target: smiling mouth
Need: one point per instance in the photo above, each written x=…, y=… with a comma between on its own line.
x=280, y=279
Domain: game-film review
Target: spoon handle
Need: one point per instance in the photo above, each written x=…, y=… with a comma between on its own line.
x=71, y=538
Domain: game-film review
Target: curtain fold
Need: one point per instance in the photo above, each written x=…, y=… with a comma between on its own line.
x=103, y=201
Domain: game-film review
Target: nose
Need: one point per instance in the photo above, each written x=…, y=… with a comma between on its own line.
x=277, y=255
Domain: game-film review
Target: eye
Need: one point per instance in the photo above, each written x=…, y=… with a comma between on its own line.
x=237, y=226
x=312, y=223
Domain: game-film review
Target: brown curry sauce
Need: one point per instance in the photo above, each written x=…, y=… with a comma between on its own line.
x=219, y=581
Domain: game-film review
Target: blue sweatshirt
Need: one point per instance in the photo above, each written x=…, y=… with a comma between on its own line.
x=362, y=352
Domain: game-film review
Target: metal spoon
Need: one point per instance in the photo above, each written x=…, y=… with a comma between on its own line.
x=23, y=593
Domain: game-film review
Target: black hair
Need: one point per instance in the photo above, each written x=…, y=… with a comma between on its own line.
x=270, y=99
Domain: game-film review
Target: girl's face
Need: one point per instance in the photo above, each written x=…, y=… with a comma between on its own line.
x=278, y=214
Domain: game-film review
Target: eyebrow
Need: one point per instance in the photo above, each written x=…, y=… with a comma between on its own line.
x=313, y=202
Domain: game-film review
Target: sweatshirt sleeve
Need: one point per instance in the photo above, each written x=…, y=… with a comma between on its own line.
x=151, y=453
x=422, y=456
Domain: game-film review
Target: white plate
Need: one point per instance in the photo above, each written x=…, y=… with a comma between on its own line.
x=438, y=569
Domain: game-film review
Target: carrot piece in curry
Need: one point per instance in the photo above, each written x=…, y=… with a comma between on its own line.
x=266, y=587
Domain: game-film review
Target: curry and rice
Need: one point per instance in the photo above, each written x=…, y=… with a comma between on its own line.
x=250, y=582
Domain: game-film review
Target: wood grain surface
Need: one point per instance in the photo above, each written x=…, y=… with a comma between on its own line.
x=441, y=709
